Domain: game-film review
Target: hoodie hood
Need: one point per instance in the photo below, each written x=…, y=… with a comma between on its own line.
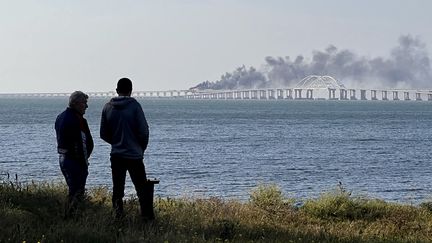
x=121, y=102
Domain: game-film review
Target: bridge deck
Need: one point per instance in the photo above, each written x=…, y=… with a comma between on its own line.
x=269, y=93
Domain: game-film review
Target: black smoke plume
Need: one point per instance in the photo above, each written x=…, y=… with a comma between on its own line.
x=408, y=66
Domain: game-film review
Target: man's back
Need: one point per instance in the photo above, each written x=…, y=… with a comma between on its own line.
x=123, y=125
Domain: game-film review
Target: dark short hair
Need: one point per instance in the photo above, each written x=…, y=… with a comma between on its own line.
x=124, y=85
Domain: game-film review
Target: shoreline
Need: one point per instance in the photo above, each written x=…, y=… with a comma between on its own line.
x=298, y=201
x=33, y=212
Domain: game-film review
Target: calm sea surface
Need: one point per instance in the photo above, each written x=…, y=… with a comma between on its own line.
x=203, y=148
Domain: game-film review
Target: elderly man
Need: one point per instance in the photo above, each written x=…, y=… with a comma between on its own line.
x=74, y=145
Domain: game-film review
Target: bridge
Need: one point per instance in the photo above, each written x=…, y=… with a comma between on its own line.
x=108, y=94
x=316, y=88
x=308, y=94
x=310, y=88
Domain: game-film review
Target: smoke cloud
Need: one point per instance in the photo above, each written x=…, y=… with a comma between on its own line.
x=408, y=66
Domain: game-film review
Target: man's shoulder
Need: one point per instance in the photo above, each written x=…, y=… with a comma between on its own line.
x=135, y=102
x=132, y=103
x=66, y=117
x=60, y=117
x=107, y=105
x=64, y=113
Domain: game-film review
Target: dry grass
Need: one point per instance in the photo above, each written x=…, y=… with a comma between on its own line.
x=34, y=213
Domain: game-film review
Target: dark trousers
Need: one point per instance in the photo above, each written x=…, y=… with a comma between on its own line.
x=75, y=174
x=136, y=169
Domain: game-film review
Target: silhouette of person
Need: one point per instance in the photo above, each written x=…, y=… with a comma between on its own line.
x=124, y=126
x=74, y=145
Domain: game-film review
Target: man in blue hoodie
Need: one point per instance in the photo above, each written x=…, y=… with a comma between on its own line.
x=124, y=126
x=74, y=145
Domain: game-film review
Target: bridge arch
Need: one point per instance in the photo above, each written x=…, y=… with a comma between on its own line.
x=320, y=82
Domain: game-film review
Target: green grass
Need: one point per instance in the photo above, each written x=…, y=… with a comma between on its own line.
x=34, y=213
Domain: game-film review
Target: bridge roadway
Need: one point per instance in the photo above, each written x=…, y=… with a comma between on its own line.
x=263, y=94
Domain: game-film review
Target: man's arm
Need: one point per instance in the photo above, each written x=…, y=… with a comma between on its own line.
x=143, y=129
x=105, y=134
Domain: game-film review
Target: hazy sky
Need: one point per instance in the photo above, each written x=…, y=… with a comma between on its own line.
x=62, y=46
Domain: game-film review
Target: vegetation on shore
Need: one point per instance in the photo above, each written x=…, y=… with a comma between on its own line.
x=34, y=213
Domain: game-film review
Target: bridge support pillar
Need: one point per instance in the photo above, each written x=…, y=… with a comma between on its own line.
x=229, y=95
x=280, y=94
x=309, y=94
x=271, y=94
x=343, y=94
x=297, y=93
x=373, y=94
x=332, y=94
x=352, y=94
x=384, y=95
x=395, y=95
x=429, y=97
x=363, y=94
x=237, y=95
x=289, y=94
x=246, y=95
x=418, y=96
x=262, y=95
x=406, y=96
x=254, y=94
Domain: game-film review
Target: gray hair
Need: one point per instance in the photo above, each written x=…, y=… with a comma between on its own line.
x=76, y=97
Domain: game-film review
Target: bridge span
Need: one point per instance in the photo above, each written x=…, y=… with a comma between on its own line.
x=312, y=87
x=263, y=94
x=315, y=94
x=109, y=94
x=316, y=87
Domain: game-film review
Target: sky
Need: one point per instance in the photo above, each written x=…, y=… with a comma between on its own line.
x=62, y=46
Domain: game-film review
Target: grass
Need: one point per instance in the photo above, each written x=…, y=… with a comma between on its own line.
x=34, y=213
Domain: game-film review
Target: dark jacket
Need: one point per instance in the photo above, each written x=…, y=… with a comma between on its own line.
x=68, y=126
x=124, y=126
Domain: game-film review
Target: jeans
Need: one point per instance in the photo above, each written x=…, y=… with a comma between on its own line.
x=75, y=175
x=137, y=172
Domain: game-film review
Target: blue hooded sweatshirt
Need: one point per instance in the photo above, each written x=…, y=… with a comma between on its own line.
x=124, y=126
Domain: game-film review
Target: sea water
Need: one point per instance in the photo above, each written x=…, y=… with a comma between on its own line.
x=225, y=148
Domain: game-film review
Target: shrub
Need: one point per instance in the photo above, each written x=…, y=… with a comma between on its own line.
x=269, y=198
x=339, y=204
